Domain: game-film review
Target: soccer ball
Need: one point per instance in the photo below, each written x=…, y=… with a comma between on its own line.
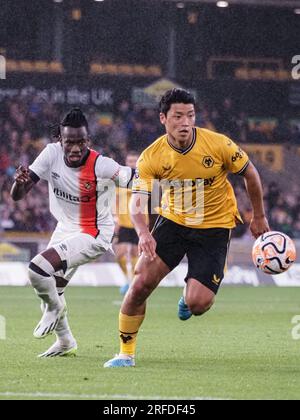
x=273, y=252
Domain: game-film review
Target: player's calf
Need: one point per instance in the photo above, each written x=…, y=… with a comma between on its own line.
x=41, y=277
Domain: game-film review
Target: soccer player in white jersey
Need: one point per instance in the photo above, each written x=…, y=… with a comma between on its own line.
x=81, y=184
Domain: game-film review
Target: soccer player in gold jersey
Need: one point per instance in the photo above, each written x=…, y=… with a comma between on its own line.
x=198, y=211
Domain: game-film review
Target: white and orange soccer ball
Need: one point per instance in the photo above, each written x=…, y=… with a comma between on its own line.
x=273, y=252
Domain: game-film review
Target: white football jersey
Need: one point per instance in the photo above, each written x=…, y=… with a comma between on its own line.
x=81, y=198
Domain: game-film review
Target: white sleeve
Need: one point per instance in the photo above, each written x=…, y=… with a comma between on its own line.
x=108, y=168
x=41, y=165
x=125, y=176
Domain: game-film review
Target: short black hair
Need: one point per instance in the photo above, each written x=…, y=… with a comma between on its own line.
x=75, y=118
x=175, y=96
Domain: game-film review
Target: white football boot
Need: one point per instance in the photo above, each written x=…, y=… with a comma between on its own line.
x=49, y=322
x=60, y=349
x=65, y=345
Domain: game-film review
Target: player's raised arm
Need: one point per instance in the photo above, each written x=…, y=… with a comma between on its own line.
x=26, y=178
x=138, y=206
x=259, y=223
x=24, y=181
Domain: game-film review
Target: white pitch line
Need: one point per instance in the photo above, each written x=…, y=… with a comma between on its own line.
x=98, y=397
x=117, y=302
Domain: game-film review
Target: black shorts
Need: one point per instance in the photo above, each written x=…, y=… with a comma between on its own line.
x=128, y=236
x=206, y=250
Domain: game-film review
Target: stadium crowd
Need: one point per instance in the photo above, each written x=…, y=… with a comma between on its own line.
x=25, y=129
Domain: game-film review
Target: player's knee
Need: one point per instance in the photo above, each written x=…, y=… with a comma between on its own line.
x=200, y=306
x=140, y=289
x=39, y=268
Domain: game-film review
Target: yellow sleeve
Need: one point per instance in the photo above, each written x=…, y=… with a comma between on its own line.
x=236, y=160
x=144, y=176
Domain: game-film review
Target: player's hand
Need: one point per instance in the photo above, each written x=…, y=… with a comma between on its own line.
x=22, y=175
x=259, y=225
x=147, y=245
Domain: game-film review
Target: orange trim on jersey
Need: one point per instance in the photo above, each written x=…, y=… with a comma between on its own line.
x=88, y=196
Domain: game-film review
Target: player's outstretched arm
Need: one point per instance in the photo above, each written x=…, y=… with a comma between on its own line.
x=138, y=206
x=23, y=183
x=259, y=223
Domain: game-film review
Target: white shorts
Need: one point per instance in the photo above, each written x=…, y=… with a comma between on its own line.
x=79, y=248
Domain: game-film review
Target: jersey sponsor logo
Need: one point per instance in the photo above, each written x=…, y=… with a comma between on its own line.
x=71, y=198
x=209, y=182
x=189, y=182
x=238, y=155
x=208, y=162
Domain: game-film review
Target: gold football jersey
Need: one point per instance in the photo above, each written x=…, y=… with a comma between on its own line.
x=123, y=199
x=195, y=189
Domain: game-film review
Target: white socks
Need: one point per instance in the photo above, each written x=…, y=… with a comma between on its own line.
x=41, y=277
x=63, y=330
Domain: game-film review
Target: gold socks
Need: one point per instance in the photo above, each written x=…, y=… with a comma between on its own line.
x=129, y=327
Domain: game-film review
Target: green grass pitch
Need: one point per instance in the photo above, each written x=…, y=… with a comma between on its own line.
x=241, y=349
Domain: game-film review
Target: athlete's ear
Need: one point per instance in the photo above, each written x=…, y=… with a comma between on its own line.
x=162, y=118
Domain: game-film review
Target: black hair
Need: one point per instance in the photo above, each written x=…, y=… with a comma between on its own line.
x=55, y=131
x=75, y=118
x=175, y=96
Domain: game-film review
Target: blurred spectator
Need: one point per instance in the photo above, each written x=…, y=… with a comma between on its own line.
x=282, y=133
x=227, y=122
x=295, y=135
x=272, y=195
x=256, y=135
